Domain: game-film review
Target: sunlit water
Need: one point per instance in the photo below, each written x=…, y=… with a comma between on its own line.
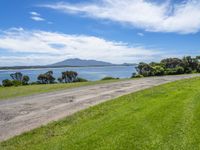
x=89, y=73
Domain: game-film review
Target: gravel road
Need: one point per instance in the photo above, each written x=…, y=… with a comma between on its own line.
x=23, y=114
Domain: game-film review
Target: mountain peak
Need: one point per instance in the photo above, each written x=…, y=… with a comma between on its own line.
x=81, y=63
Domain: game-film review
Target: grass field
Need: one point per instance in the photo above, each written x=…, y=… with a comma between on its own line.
x=12, y=92
x=166, y=117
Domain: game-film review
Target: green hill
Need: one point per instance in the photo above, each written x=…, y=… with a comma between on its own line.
x=164, y=117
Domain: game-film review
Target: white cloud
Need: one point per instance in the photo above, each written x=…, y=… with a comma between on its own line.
x=140, y=34
x=182, y=17
x=49, y=47
x=33, y=13
x=36, y=16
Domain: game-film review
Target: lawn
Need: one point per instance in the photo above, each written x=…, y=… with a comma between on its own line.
x=164, y=117
x=12, y=92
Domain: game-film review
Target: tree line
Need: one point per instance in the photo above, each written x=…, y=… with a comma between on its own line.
x=18, y=79
x=169, y=66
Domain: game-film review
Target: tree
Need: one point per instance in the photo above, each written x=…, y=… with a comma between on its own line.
x=46, y=78
x=144, y=69
x=25, y=80
x=69, y=76
x=42, y=79
x=190, y=63
x=49, y=77
x=172, y=62
x=17, y=76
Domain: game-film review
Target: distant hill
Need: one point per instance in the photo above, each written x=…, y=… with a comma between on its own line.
x=70, y=62
x=81, y=63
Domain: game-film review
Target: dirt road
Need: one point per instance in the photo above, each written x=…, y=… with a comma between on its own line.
x=23, y=114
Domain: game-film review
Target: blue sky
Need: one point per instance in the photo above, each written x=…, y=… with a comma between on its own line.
x=34, y=32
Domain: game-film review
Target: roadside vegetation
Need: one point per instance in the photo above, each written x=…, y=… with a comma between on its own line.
x=162, y=117
x=169, y=66
x=26, y=90
x=20, y=84
x=109, y=78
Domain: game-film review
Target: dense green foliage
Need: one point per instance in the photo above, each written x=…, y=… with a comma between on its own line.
x=78, y=79
x=169, y=66
x=109, y=78
x=164, y=117
x=7, y=83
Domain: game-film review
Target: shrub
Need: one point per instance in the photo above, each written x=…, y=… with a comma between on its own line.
x=109, y=78
x=60, y=80
x=81, y=80
x=158, y=71
x=179, y=70
x=198, y=68
x=170, y=71
x=7, y=83
x=25, y=80
x=16, y=83
x=135, y=75
x=35, y=83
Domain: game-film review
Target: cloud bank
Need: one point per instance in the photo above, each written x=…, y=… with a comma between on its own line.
x=42, y=47
x=182, y=17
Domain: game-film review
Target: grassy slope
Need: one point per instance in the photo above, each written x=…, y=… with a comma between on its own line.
x=163, y=117
x=11, y=92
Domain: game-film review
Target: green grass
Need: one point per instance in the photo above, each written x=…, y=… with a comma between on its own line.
x=166, y=117
x=12, y=92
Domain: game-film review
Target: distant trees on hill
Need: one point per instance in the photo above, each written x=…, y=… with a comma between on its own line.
x=169, y=66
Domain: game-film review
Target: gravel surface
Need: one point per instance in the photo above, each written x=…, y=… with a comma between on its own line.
x=23, y=114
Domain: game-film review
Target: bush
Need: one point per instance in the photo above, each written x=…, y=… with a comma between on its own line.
x=35, y=83
x=7, y=83
x=135, y=75
x=158, y=71
x=25, y=80
x=109, y=78
x=60, y=80
x=179, y=70
x=81, y=80
x=16, y=83
x=198, y=68
x=188, y=70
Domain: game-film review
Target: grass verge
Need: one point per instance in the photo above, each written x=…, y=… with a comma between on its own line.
x=12, y=92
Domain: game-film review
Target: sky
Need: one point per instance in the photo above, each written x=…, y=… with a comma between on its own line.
x=35, y=32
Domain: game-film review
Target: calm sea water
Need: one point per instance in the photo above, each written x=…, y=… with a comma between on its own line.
x=89, y=73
